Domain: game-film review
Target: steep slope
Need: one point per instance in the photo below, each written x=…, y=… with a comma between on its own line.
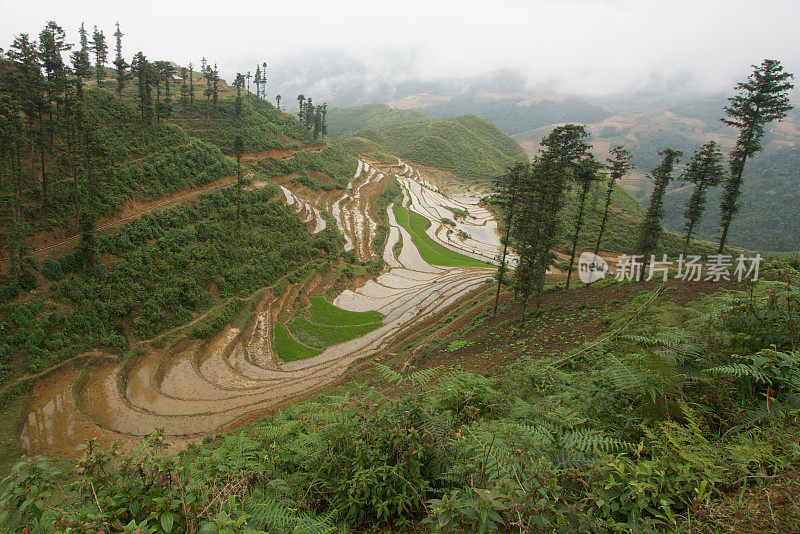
x=347, y=121
x=468, y=146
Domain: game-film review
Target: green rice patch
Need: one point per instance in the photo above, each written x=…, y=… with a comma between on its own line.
x=289, y=349
x=325, y=313
x=321, y=336
x=431, y=251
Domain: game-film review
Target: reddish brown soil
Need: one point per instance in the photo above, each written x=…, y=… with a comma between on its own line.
x=565, y=321
x=772, y=508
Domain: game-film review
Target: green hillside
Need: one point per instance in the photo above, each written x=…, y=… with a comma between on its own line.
x=347, y=121
x=467, y=146
x=769, y=218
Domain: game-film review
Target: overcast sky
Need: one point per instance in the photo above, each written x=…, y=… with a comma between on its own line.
x=576, y=46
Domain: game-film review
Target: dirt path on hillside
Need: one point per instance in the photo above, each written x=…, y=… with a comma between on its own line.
x=60, y=241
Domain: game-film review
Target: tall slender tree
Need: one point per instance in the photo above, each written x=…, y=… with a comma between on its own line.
x=536, y=227
x=704, y=170
x=586, y=174
x=619, y=165
x=52, y=43
x=100, y=50
x=257, y=81
x=763, y=98
x=506, y=192
x=650, y=232
x=278, y=101
x=142, y=68
x=239, y=84
x=191, y=84
x=119, y=62
x=27, y=84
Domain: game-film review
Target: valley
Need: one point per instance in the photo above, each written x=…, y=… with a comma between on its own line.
x=193, y=389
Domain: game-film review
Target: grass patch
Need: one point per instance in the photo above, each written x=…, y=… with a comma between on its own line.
x=288, y=349
x=431, y=251
x=325, y=313
x=321, y=336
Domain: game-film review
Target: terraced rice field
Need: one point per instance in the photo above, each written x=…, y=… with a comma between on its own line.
x=191, y=388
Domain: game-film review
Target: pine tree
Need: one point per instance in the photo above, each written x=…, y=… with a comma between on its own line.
x=650, y=232
x=239, y=84
x=142, y=68
x=762, y=99
x=184, y=89
x=506, y=191
x=84, y=39
x=247, y=77
x=704, y=171
x=27, y=85
x=238, y=147
x=52, y=42
x=585, y=175
x=100, y=50
x=300, y=105
x=215, y=79
x=264, y=81
x=278, y=101
x=308, y=114
x=324, y=123
x=119, y=62
x=619, y=165
x=535, y=229
x=257, y=81
x=191, y=85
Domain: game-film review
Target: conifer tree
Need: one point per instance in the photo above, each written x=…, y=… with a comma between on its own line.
x=184, y=89
x=142, y=69
x=257, y=81
x=506, y=192
x=585, y=176
x=100, y=50
x=239, y=84
x=535, y=230
x=247, y=77
x=278, y=101
x=300, y=105
x=619, y=165
x=650, y=232
x=52, y=42
x=119, y=62
x=191, y=85
x=264, y=81
x=324, y=123
x=763, y=98
x=215, y=79
x=704, y=171
x=308, y=114
x=27, y=84
x=84, y=39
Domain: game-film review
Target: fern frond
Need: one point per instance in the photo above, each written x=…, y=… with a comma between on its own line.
x=423, y=376
x=387, y=373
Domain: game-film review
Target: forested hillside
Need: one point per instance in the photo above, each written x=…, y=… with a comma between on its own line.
x=769, y=219
x=348, y=121
x=467, y=146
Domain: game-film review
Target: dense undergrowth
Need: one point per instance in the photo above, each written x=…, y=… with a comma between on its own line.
x=641, y=432
x=159, y=271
